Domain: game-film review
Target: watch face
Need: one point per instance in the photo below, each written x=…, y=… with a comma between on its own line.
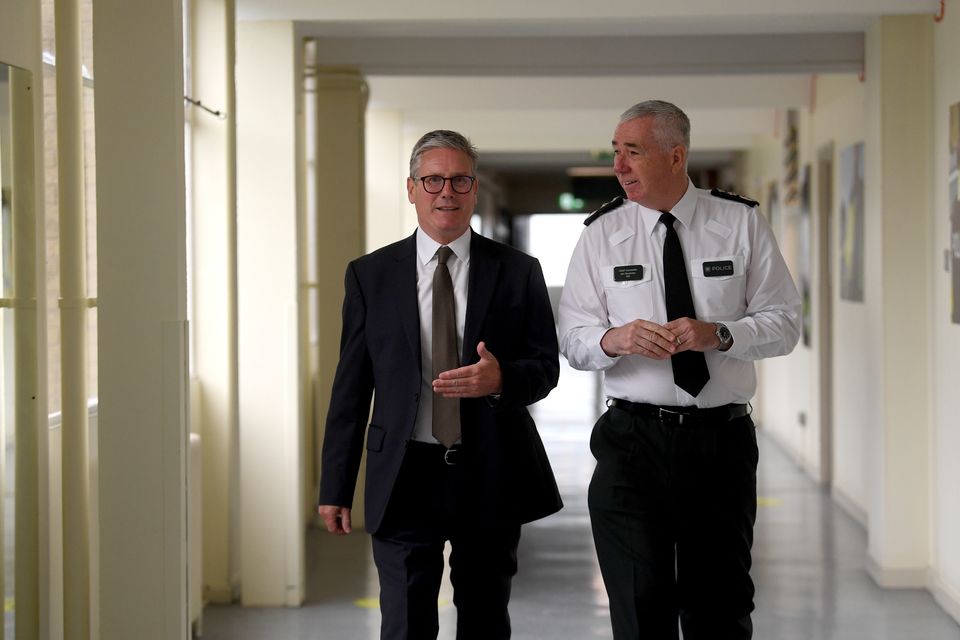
x=723, y=333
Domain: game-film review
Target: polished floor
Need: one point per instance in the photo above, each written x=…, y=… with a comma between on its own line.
x=808, y=565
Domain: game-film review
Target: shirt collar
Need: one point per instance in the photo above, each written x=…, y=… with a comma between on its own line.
x=682, y=211
x=427, y=247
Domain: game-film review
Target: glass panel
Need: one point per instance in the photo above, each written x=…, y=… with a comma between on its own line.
x=7, y=432
x=18, y=370
x=52, y=239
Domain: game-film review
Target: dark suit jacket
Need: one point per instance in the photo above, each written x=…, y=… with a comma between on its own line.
x=511, y=481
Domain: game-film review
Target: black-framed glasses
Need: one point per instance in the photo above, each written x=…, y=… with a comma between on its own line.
x=435, y=184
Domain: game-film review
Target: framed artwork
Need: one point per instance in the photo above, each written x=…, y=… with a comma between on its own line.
x=804, y=253
x=773, y=207
x=953, y=179
x=851, y=223
x=791, y=161
x=795, y=244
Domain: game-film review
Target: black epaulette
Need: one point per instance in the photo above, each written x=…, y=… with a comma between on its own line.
x=726, y=195
x=610, y=206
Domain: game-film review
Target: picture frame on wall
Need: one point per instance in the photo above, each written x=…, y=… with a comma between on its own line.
x=851, y=223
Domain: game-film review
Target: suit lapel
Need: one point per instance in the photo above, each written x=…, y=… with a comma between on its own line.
x=484, y=275
x=404, y=282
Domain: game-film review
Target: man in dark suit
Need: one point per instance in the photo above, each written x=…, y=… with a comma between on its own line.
x=453, y=336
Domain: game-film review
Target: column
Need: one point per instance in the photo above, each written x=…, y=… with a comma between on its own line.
x=271, y=416
x=214, y=255
x=142, y=319
x=340, y=100
x=899, y=99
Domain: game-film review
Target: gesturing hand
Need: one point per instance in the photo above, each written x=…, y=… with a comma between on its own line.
x=473, y=381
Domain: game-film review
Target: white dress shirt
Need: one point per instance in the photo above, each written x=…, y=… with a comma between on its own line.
x=758, y=301
x=459, y=266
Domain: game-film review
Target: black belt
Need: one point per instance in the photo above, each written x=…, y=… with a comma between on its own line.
x=688, y=416
x=450, y=456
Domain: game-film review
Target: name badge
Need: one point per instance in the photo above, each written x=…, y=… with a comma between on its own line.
x=628, y=272
x=718, y=268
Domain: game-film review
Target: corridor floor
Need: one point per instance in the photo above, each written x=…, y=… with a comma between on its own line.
x=809, y=559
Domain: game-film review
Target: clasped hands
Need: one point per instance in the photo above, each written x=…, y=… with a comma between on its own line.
x=660, y=341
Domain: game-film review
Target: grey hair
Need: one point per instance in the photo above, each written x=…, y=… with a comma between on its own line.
x=672, y=124
x=442, y=139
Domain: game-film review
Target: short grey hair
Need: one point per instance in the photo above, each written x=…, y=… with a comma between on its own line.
x=442, y=139
x=672, y=124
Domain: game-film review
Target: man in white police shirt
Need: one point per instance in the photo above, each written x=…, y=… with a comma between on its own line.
x=673, y=497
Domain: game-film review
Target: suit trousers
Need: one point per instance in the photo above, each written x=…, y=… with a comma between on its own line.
x=426, y=509
x=672, y=509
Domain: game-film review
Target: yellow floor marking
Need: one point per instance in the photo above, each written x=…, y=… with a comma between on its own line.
x=374, y=603
x=763, y=501
x=8, y=605
x=367, y=603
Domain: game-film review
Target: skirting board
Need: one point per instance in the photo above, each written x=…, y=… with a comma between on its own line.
x=897, y=578
x=946, y=596
x=849, y=506
x=218, y=595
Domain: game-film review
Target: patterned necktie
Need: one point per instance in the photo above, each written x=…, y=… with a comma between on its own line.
x=689, y=367
x=446, y=411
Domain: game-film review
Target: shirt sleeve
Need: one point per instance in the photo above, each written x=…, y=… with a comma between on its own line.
x=583, y=317
x=771, y=325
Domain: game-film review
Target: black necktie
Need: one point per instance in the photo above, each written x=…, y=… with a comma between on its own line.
x=446, y=411
x=689, y=367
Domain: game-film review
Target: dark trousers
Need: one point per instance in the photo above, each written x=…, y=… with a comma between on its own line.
x=673, y=509
x=426, y=509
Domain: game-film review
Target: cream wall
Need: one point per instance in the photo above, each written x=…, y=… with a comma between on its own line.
x=20, y=34
x=894, y=464
x=945, y=336
x=838, y=118
x=270, y=403
x=789, y=386
x=386, y=194
x=761, y=165
x=389, y=138
x=142, y=347
x=785, y=396
x=214, y=292
x=898, y=491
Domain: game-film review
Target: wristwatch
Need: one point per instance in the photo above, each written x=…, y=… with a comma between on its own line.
x=723, y=335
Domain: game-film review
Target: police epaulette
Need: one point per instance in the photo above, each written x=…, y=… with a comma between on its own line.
x=726, y=195
x=610, y=206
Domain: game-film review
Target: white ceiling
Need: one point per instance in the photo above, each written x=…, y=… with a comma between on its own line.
x=644, y=17
x=553, y=75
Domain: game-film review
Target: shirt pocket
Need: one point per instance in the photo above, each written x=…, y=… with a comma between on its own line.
x=629, y=300
x=719, y=287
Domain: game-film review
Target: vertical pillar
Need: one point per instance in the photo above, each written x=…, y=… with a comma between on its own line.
x=27, y=405
x=215, y=285
x=73, y=325
x=899, y=76
x=386, y=195
x=141, y=235
x=271, y=421
x=20, y=46
x=341, y=100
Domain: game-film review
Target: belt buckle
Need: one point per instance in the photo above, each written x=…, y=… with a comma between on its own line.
x=668, y=417
x=450, y=457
